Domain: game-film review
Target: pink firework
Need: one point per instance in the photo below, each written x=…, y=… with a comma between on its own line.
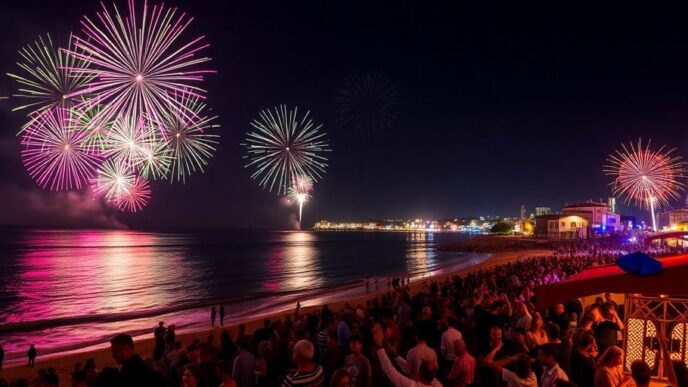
x=53, y=151
x=643, y=175
x=139, y=60
x=136, y=197
x=114, y=179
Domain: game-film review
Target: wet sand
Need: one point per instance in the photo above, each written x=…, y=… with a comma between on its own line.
x=64, y=364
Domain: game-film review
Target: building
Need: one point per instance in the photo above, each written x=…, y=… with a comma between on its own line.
x=561, y=226
x=523, y=211
x=540, y=211
x=672, y=219
x=611, y=203
x=598, y=216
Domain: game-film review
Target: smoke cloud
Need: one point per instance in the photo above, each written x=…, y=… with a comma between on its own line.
x=31, y=207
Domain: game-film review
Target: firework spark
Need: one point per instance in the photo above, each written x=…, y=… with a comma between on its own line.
x=114, y=179
x=369, y=104
x=53, y=153
x=139, y=60
x=128, y=140
x=648, y=177
x=284, y=146
x=135, y=197
x=189, y=139
x=45, y=79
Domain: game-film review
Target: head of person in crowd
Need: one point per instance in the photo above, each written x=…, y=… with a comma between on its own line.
x=356, y=344
x=340, y=378
x=586, y=345
x=596, y=313
x=495, y=336
x=122, y=347
x=427, y=372
x=303, y=353
x=547, y=355
x=608, y=297
x=459, y=348
x=612, y=357
x=586, y=323
x=553, y=332
x=193, y=376
x=537, y=323
x=641, y=373
x=242, y=345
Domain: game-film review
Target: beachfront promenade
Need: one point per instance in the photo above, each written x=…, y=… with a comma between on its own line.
x=474, y=327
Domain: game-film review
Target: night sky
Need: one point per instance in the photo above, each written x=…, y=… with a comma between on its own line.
x=503, y=105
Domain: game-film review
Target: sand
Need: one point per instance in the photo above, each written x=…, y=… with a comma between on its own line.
x=64, y=364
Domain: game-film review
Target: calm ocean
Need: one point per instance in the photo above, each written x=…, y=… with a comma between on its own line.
x=66, y=290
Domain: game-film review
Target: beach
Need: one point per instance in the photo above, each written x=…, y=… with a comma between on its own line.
x=64, y=363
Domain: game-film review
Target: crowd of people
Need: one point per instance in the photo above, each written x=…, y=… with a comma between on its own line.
x=481, y=329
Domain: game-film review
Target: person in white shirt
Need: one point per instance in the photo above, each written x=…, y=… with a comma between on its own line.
x=523, y=376
x=448, y=338
x=551, y=372
x=421, y=352
x=427, y=371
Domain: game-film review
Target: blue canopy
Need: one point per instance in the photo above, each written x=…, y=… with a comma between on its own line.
x=639, y=264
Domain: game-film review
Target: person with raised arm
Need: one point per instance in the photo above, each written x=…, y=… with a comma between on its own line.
x=426, y=373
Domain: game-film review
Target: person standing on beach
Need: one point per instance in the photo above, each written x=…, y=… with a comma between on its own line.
x=213, y=316
x=222, y=315
x=2, y=355
x=32, y=355
x=159, y=335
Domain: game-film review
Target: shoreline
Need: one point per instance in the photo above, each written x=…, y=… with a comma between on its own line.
x=64, y=362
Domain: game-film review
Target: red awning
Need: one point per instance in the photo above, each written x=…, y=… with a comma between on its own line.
x=673, y=281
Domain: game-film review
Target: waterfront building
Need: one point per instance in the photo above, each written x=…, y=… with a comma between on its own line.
x=561, y=226
x=669, y=220
x=600, y=219
x=540, y=211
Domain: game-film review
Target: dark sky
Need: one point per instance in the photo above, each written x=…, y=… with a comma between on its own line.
x=504, y=105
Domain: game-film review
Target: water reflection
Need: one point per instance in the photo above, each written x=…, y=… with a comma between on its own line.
x=68, y=274
x=420, y=255
x=293, y=264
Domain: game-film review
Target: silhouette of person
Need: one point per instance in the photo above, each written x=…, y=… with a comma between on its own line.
x=213, y=316
x=32, y=355
x=2, y=355
x=222, y=315
x=159, y=341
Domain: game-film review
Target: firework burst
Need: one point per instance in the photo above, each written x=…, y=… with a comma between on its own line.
x=45, y=79
x=368, y=104
x=648, y=177
x=53, y=153
x=135, y=198
x=139, y=60
x=189, y=138
x=113, y=180
x=128, y=140
x=284, y=146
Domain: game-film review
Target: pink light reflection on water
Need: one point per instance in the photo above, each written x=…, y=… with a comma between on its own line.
x=295, y=264
x=86, y=275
